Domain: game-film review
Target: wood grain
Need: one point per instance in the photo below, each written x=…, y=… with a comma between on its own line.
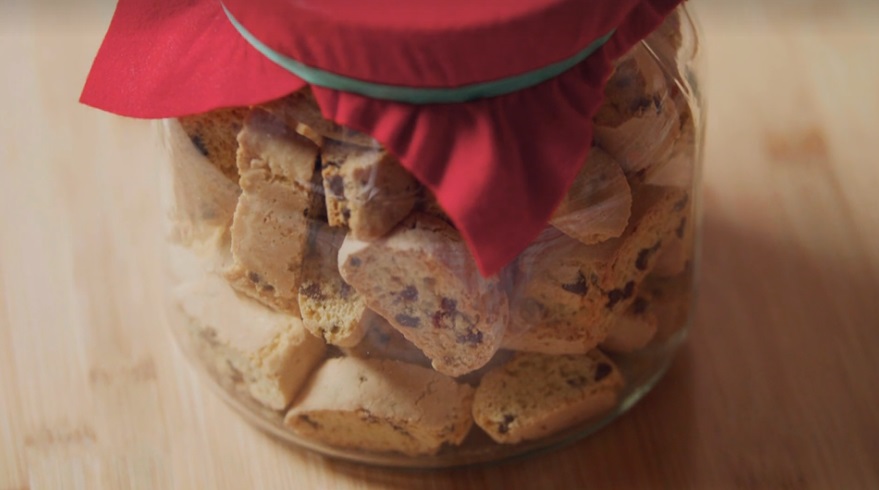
x=775, y=389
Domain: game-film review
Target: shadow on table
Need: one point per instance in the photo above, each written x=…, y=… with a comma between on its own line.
x=610, y=457
x=748, y=401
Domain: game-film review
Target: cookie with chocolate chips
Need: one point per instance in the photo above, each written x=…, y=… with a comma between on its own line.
x=536, y=395
x=271, y=225
x=367, y=190
x=331, y=308
x=422, y=279
x=214, y=134
x=638, y=123
x=382, y=405
x=565, y=294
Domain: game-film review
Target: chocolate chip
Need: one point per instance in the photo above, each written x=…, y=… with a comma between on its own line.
x=643, y=260
x=639, y=175
x=355, y=262
x=312, y=291
x=640, y=105
x=345, y=290
x=346, y=214
x=680, y=205
x=381, y=338
x=602, y=371
x=471, y=337
x=579, y=288
x=254, y=277
x=199, y=144
x=449, y=305
x=657, y=102
x=504, y=426
x=368, y=417
x=400, y=430
x=306, y=419
x=407, y=321
x=681, y=228
x=614, y=297
x=640, y=305
x=617, y=295
x=437, y=319
x=409, y=294
x=629, y=290
x=337, y=185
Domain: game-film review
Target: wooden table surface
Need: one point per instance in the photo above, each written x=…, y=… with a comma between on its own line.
x=777, y=387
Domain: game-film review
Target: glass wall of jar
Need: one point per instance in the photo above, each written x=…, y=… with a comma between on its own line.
x=327, y=296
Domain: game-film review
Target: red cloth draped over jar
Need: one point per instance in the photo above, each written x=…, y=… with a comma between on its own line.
x=499, y=166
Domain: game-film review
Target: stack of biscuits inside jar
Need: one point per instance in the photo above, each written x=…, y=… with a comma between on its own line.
x=333, y=302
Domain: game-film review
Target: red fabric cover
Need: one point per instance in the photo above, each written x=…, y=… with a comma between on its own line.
x=433, y=43
x=499, y=166
x=169, y=58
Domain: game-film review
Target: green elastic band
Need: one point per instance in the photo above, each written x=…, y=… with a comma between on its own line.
x=416, y=95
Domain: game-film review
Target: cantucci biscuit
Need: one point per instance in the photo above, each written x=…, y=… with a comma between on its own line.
x=367, y=190
x=330, y=307
x=638, y=122
x=271, y=224
x=214, y=134
x=565, y=294
x=598, y=205
x=382, y=405
x=422, y=279
x=270, y=352
x=536, y=395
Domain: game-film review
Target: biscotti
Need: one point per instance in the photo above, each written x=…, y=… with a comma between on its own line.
x=382, y=405
x=422, y=279
x=366, y=189
x=536, y=395
x=215, y=134
x=556, y=305
x=203, y=200
x=330, y=307
x=634, y=328
x=670, y=301
x=638, y=122
x=270, y=351
x=677, y=170
x=598, y=205
x=382, y=341
x=566, y=293
x=678, y=252
x=301, y=108
x=270, y=228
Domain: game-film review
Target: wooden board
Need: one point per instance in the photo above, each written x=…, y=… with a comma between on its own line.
x=775, y=389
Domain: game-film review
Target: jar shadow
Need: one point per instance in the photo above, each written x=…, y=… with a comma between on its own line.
x=733, y=397
x=783, y=325
x=607, y=457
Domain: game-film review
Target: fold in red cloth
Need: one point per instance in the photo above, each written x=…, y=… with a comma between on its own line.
x=499, y=166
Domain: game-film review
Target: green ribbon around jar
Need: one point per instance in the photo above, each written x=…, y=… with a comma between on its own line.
x=417, y=95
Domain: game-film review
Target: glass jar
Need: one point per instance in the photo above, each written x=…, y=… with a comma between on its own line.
x=328, y=298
